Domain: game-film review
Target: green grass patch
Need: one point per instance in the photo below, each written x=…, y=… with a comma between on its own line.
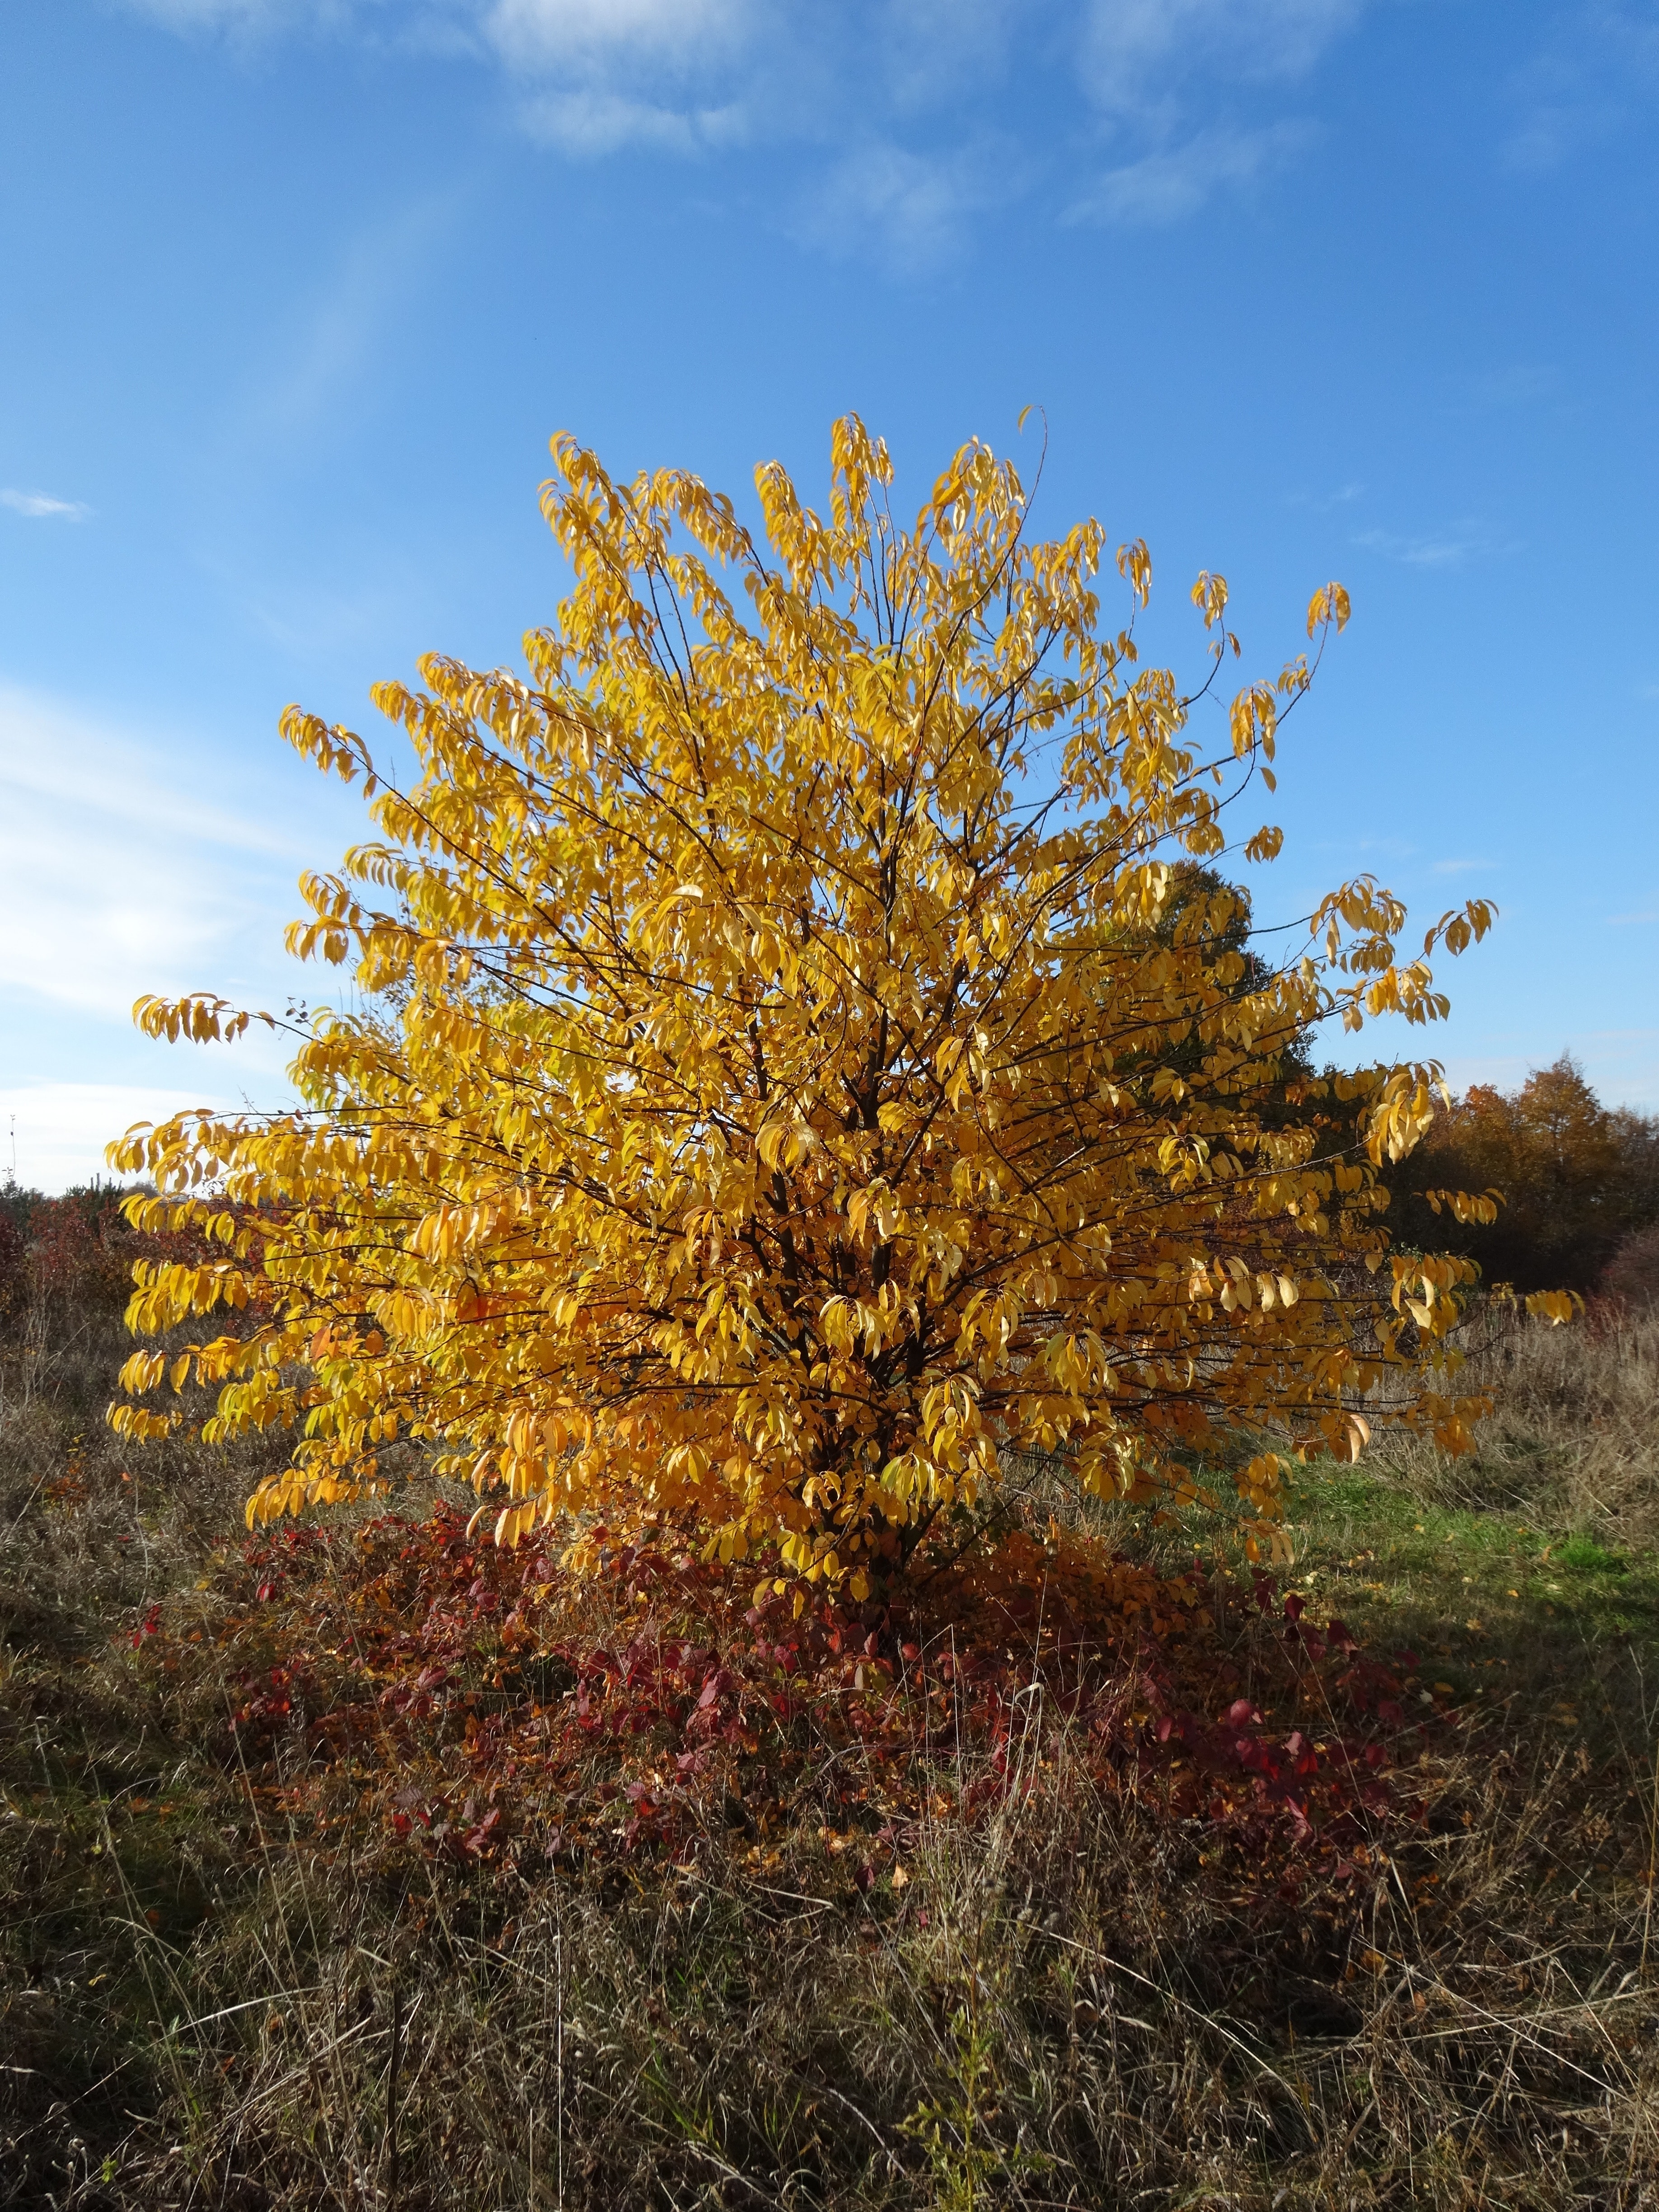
x=1539, y=1626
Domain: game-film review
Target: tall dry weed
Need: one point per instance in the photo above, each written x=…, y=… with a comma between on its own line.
x=1067, y=2008
x=1071, y=2000
x=1573, y=1439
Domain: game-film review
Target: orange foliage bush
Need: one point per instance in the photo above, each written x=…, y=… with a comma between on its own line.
x=408, y=1680
x=76, y=1249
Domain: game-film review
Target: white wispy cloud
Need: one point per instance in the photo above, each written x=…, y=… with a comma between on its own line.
x=115, y=880
x=1174, y=182
x=598, y=75
x=1137, y=51
x=1595, y=63
x=539, y=33
x=612, y=72
x=327, y=341
x=937, y=50
x=1165, y=73
x=592, y=120
x=879, y=98
x=913, y=207
x=1443, y=548
x=528, y=35
x=39, y=506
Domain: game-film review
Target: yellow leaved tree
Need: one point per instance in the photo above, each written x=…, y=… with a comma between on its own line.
x=803, y=1055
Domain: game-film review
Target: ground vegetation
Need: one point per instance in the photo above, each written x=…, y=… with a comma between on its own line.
x=357, y=1861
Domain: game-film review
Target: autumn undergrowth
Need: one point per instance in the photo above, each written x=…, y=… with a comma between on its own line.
x=359, y=1864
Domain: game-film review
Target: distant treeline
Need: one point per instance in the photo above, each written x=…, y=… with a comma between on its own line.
x=76, y=1247
x=1579, y=1181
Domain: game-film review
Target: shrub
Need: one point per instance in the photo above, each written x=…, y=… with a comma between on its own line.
x=1632, y=1275
x=804, y=1058
x=75, y=1250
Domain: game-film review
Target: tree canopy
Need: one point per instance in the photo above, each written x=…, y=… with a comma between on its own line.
x=798, y=1057
x=1576, y=1180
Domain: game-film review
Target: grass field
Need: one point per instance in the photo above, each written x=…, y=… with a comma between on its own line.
x=889, y=1954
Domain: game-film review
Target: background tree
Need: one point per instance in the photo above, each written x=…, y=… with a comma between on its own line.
x=798, y=1064
x=1575, y=1179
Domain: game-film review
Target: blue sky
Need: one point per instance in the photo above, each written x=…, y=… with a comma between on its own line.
x=295, y=292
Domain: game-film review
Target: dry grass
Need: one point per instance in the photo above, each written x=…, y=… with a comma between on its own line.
x=1573, y=1443
x=207, y=2000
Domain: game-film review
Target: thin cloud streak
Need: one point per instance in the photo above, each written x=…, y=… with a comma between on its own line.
x=39, y=506
x=542, y=33
x=1133, y=52
x=1522, y=384
x=336, y=334
x=54, y=755
x=1449, y=548
x=592, y=122
x=1323, y=503
x=914, y=208
x=1578, y=88
x=1170, y=186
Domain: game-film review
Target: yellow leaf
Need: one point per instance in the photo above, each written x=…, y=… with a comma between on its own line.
x=1328, y=606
